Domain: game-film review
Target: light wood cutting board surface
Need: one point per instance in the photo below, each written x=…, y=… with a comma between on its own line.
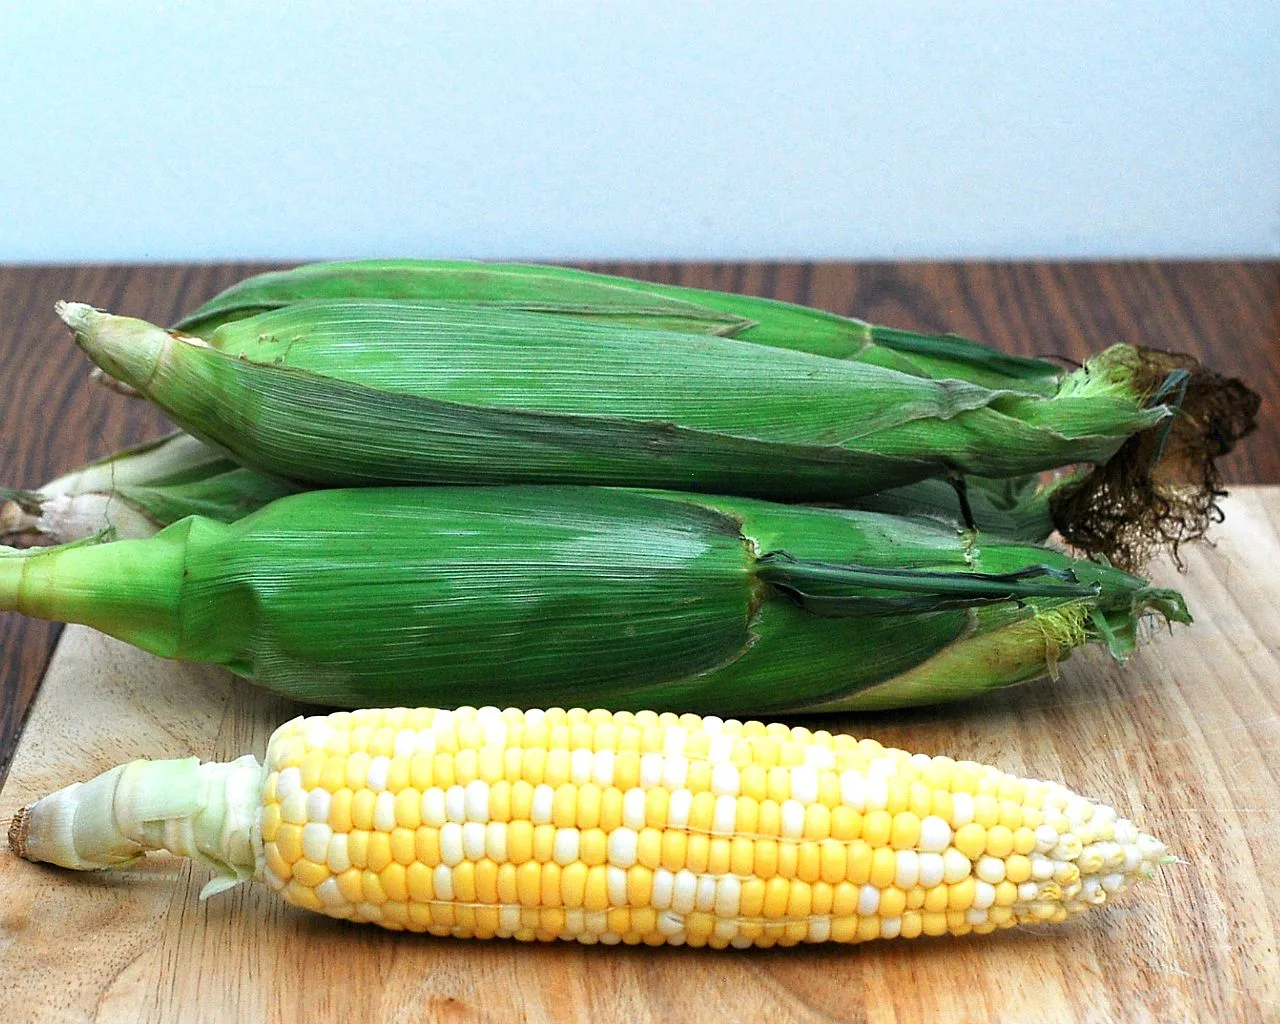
x=1185, y=739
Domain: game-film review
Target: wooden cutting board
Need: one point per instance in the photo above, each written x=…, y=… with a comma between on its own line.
x=1185, y=739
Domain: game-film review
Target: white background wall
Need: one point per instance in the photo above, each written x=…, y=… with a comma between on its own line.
x=168, y=131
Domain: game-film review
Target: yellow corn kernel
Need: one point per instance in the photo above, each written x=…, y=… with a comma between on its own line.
x=550, y=884
x=702, y=812
x=639, y=886
x=655, y=806
x=1017, y=868
x=999, y=841
x=834, y=861
x=573, y=884
x=788, y=859
x=817, y=822
x=777, y=893
x=418, y=880
x=920, y=800
x=649, y=848
x=519, y=841
x=844, y=929
x=371, y=886
x=846, y=823
x=971, y=840
x=404, y=845
x=358, y=848
x=529, y=883
x=270, y=822
x=753, y=783
x=507, y=887
x=490, y=764
x=868, y=929
x=675, y=850
x=860, y=858
x=362, y=803
x=487, y=881
x=340, y=810
x=397, y=774
x=884, y=867
x=564, y=807
x=960, y=894
x=597, y=894
x=544, y=842
x=394, y=881
x=933, y=923
x=905, y=831
x=986, y=810
x=937, y=898
x=379, y=851
x=809, y=862
x=752, y=896
x=289, y=842
x=276, y=864
x=309, y=873
x=877, y=827
x=899, y=795
x=698, y=854
x=765, y=857
x=500, y=801
x=1024, y=840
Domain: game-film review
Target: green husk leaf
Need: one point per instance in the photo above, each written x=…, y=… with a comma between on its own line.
x=572, y=292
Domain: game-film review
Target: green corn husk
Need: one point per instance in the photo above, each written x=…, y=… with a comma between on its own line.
x=578, y=293
x=354, y=393
x=545, y=595
x=136, y=492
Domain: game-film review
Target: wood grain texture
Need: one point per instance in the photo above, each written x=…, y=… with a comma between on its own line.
x=53, y=419
x=1185, y=739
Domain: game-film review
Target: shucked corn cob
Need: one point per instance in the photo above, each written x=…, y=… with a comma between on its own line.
x=605, y=827
x=534, y=595
x=137, y=492
x=576, y=293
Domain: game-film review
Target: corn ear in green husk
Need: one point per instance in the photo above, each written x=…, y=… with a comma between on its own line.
x=560, y=595
x=383, y=392
x=576, y=293
x=138, y=491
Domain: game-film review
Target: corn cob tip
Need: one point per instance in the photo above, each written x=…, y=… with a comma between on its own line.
x=79, y=316
x=127, y=349
x=20, y=831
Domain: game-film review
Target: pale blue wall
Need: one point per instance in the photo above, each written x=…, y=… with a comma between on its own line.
x=165, y=131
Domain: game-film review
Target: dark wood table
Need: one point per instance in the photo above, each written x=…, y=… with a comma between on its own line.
x=53, y=418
